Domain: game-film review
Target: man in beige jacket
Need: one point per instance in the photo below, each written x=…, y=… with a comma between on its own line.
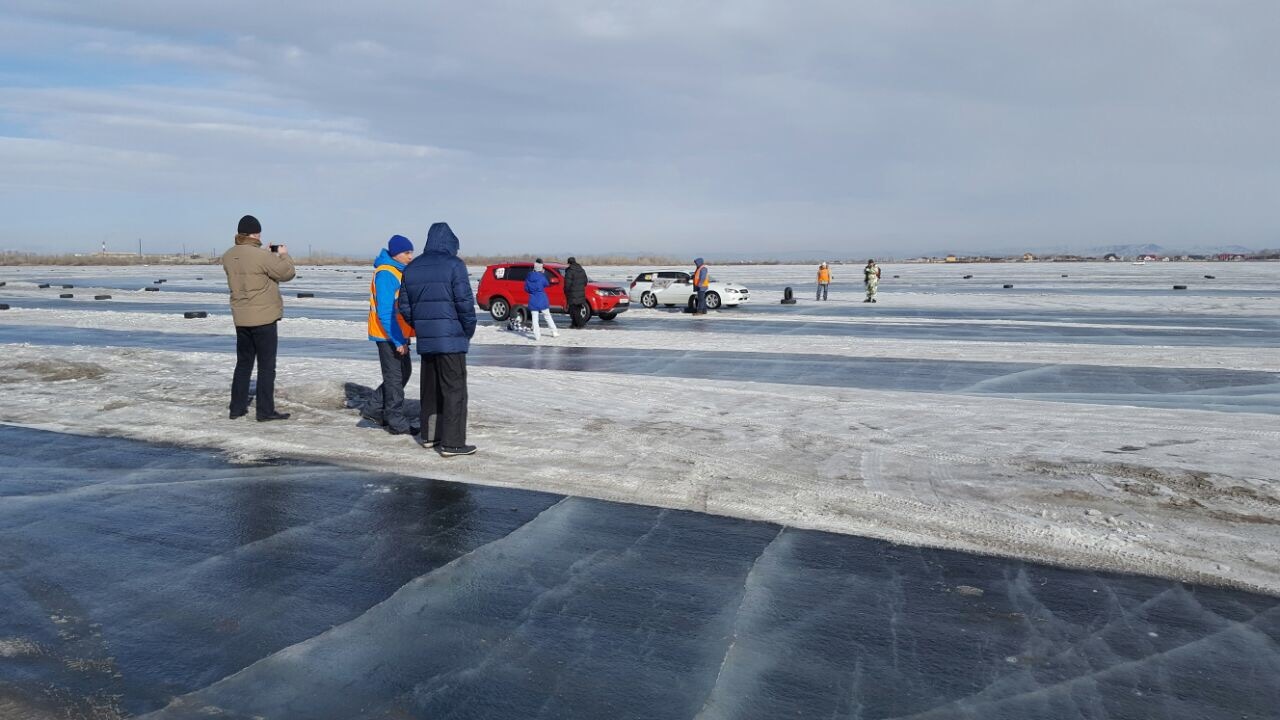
x=254, y=275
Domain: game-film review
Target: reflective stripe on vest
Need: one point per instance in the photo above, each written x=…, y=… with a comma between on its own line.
x=375, y=324
x=702, y=276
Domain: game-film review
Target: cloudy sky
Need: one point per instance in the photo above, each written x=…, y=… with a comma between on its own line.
x=747, y=128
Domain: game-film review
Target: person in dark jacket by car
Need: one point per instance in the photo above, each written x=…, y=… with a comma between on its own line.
x=436, y=299
x=575, y=293
x=701, y=281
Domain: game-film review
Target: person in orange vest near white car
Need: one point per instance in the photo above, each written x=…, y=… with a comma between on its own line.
x=824, y=279
x=701, y=281
x=391, y=334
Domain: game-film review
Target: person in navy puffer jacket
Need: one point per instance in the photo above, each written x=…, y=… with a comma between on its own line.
x=436, y=299
x=536, y=285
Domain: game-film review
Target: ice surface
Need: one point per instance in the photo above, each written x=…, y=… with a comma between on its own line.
x=1194, y=388
x=162, y=570
x=1096, y=420
x=141, y=578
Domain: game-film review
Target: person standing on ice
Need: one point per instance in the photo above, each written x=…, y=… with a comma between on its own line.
x=871, y=276
x=436, y=299
x=824, y=279
x=539, y=304
x=701, y=281
x=575, y=293
x=390, y=333
x=254, y=276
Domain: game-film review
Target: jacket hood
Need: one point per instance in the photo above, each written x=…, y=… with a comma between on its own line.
x=384, y=258
x=248, y=240
x=697, y=261
x=440, y=239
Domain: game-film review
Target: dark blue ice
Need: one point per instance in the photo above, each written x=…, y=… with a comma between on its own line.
x=143, y=579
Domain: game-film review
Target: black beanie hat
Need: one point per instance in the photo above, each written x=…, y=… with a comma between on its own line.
x=249, y=225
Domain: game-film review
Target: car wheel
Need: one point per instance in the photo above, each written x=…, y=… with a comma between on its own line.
x=713, y=301
x=649, y=300
x=608, y=315
x=500, y=309
x=581, y=313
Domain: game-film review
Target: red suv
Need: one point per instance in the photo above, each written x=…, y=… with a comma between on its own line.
x=502, y=288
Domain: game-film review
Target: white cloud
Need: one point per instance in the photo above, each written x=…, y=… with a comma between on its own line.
x=164, y=53
x=730, y=123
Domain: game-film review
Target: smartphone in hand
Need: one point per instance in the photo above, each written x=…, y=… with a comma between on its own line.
x=274, y=248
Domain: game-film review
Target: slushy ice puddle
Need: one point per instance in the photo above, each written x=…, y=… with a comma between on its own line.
x=139, y=579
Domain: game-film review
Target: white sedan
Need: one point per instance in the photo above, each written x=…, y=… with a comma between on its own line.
x=675, y=287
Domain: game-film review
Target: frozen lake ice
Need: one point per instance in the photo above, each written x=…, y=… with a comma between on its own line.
x=1098, y=420
x=147, y=580
x=1192, y=388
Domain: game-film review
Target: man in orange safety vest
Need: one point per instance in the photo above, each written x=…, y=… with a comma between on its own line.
x=391, y=333
x=701, y=281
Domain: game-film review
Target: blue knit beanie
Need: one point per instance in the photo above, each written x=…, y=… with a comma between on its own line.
x=398, y=244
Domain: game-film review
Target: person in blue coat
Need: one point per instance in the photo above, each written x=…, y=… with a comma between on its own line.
x=436, y=300
x=536, y=285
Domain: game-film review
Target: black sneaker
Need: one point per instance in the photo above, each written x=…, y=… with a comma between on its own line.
x=428, y=443
x=446, y=451
x=235, y=415
x=410, y=431
x=273, y=416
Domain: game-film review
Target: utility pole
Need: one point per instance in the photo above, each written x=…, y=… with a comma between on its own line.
x=139, y=247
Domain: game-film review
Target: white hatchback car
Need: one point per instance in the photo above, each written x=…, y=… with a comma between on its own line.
x=675, y=287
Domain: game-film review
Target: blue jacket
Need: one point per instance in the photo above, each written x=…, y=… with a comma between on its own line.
x=385, y=287
x=436, y=296
x=536, y=285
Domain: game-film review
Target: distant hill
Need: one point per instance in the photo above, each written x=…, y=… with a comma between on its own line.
x=1153, y=249
x=1129, y=250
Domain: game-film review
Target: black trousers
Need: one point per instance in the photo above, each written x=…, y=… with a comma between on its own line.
x=387, y=403
x=257, y=343
x=574, y=315
x=444, y=398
